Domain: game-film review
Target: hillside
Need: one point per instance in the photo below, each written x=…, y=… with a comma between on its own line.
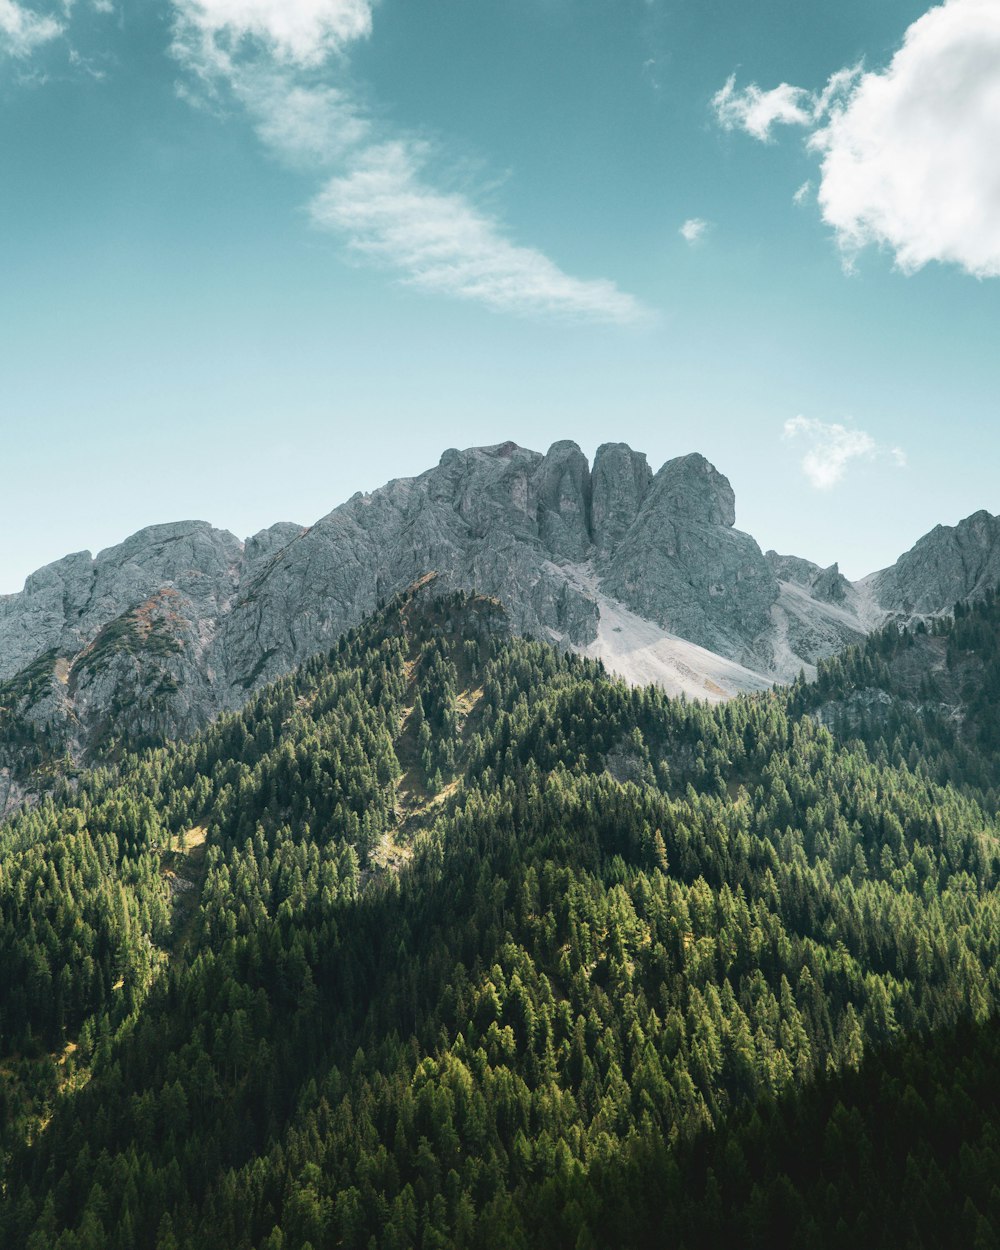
x=450, y=938
x=926, y=694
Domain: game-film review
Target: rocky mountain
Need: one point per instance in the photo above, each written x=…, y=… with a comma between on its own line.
x=951, y=563
x=154, y=637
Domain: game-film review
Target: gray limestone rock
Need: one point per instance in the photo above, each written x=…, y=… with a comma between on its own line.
x=826, y=585
x=619, y=482
x=563, y=492
x=691, y=488
x=830, y=585
x=682, y=564
x=156, y=636
x=489, y=519
x=792, y=568
x=951, y=563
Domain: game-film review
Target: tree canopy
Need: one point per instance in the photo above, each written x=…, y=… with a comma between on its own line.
x=452, y=939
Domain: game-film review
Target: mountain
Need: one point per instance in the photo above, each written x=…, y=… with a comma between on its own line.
x=646, y=571
x=450, y=939
x=948, y=565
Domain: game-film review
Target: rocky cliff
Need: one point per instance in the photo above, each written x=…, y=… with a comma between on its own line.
x=154, y=637
x=951, y=563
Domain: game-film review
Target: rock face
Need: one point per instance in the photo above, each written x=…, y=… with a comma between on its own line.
x=65, y=604
x=620, y=482
x=827, y=585
x=154, y=637
x=682, y=564
x=565, y=501
x=951, y=563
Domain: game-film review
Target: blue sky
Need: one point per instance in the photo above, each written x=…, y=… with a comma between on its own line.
x=258, y=254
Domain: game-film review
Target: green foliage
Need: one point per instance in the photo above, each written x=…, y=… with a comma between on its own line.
x=638, y=950
x=124, y=636
x=927, y=696
x=29, y=741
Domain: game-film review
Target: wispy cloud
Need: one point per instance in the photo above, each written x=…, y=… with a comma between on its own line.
x=312, y=126
x=441, y=242
x=757, y=111
x=293, y=32
x=693, y=230
x=379, y=196
x=23, y=30
x=909, y=152
x=832, y=447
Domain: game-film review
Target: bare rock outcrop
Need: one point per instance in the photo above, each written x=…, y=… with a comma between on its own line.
x=155, y=636
x=949, y=564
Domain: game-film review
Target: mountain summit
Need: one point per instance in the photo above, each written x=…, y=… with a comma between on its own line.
x=154, y=637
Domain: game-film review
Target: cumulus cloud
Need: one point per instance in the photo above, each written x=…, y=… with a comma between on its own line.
x=22, y=30
x=441, y=242
x=832, y=447
x=908, y=153
x=911, y=161
x=693, y=229
x=378, y=195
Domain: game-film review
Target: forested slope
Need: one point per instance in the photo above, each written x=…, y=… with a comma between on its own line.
x=929, y=695
x=449, y=939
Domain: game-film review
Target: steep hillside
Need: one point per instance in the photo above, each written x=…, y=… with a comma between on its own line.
x=927, y=695
x=452, y=939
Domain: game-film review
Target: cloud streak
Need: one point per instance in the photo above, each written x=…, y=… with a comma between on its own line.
x=908, y=153
x=276, y=58
x=832, y=448
x=442, y=243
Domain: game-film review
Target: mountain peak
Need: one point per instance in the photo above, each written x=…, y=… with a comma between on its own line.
x=620, y=480
x=693, y=488
x=949, y=564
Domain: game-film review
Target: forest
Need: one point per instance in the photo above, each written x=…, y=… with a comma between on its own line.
x=452, y=939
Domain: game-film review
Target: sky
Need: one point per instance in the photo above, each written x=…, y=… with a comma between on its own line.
x=256, y=255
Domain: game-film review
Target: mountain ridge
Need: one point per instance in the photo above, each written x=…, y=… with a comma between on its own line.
x=153, y=637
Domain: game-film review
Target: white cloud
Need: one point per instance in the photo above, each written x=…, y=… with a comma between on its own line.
x=298, y=32
x=802, y=195
x=263, y=54
x=441, y=242
x=756, y=111
x=22, y=30
x=911, y=160
x=908, y=153
x=312, y=126
x=832, y=447
x=693, y=229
